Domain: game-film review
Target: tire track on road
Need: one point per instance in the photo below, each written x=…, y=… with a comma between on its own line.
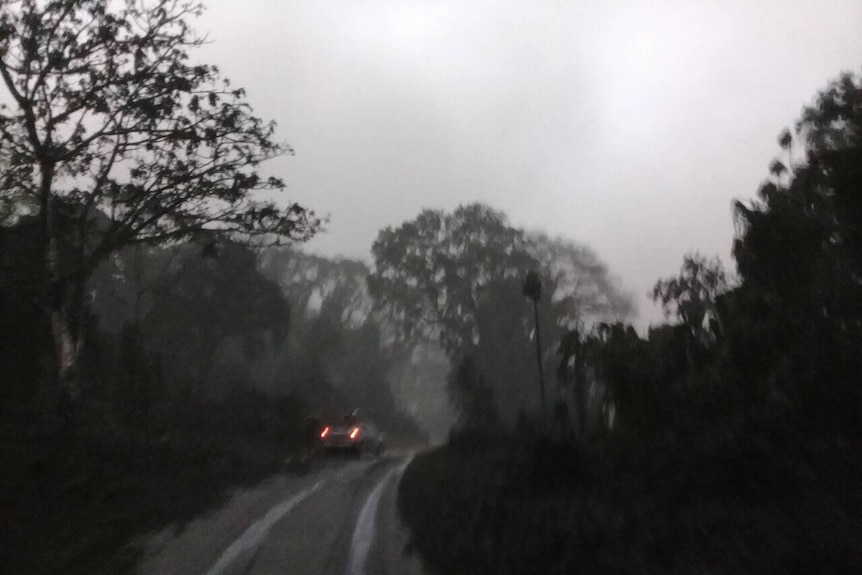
x=242, y=550
x=365, y=528
x=240, y=554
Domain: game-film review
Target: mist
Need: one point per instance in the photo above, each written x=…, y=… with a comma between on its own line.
x=629, y=127
x=430, y=286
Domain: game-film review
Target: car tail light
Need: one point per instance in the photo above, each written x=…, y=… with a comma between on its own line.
x=324, y=433
x=354, y=433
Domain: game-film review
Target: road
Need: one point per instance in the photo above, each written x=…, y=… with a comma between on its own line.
x=338, y=519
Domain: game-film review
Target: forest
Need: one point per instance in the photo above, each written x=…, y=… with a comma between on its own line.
x=164, y=337
x=725, y=441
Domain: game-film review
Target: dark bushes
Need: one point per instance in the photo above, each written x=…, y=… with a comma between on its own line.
x=744, y=502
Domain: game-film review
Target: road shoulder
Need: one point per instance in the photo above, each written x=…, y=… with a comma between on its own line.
x=393, y=538
x=194, y=547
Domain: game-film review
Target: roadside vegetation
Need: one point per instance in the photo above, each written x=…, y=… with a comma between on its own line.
x=83, y=504
x=741, y=502
x=163, y=338
x=156, y=348
x=725, y=441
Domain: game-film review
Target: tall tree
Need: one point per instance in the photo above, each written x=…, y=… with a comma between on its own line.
x=581, y=291
x=457, y=278
x=799, y=254
x=442, y=277
x=308, y=280
x=432, y=273
x=108, y=116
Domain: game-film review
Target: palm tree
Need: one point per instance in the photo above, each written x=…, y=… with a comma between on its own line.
x=777, y=168
x=533, y=290
x=785, y=140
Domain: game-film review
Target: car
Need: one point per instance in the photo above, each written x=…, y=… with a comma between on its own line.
x=352, y=435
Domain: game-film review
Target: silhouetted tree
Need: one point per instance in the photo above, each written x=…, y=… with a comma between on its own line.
x=106, y=116
x=799, y=255
x=457, y=278
x=691, y=297
x=432, y=273
x=24, y=337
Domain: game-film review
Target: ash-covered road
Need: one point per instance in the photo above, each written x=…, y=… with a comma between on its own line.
x=339, y=519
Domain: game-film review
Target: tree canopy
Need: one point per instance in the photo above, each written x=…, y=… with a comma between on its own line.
x=457, y=278
x=799, y=255
x=113, y=129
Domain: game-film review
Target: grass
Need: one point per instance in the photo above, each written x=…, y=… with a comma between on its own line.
x=732, y=504
x=74, y=506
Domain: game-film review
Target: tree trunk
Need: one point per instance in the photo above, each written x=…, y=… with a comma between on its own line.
x=65, y=353
x=539, y=360
x=578, y=392
x=63, y=332
x=67, y=324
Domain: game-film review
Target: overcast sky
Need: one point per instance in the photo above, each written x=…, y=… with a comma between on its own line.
x=626, y=126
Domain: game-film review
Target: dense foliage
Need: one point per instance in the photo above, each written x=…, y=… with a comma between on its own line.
x=724, y=442
x=148, y=334
x=112, y=138
x=146, y=362
x=455, y=279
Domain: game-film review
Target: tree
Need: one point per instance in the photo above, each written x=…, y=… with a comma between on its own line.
x=443, y=277
x=214, y=298
x=473, y=393
x=111, y=129
x=432, y=273
x=580, y=290
x=691, y=295
x=799, y=254
x=337, y=352
x=571, y=375
x=457, y=278
x=533, y=292
x=308, y=280
x=328, y=299
x=622, y=361
x=505, y=353
x=23, y=329
x=612, y=377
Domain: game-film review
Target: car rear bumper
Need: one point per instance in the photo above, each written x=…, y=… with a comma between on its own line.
x=336, y=442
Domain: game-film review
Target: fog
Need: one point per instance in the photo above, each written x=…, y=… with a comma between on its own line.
x=626, y=126
x=503, y=184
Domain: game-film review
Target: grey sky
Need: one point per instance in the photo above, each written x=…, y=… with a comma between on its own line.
x=626, y=126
